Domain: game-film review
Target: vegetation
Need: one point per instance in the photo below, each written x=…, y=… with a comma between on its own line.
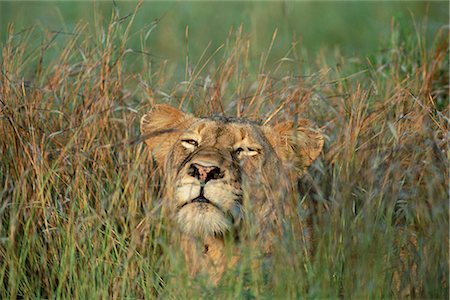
x=79, y=205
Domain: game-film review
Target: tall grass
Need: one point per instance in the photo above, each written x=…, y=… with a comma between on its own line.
x=79, y=196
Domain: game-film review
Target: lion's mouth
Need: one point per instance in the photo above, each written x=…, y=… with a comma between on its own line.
x=201, y=215
x=200, y=199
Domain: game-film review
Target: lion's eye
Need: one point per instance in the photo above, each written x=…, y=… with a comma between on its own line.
x=189, y=144
x=247, y=151
x=252, y=151
x=239, y=151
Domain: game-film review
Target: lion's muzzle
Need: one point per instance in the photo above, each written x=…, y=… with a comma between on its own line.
x=207, y=193
x=205, y=173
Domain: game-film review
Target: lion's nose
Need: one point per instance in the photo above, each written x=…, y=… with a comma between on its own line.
x=204, y=173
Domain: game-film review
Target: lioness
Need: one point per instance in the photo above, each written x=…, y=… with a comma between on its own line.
x=220, y=173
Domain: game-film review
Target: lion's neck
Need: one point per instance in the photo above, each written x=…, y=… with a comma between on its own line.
x=206, y=254
x=211, y=247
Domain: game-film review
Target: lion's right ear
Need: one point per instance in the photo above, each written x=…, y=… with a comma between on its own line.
x=160, y=128
x=296, y=143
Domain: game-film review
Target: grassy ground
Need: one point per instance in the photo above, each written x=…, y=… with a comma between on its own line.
x=79, y=200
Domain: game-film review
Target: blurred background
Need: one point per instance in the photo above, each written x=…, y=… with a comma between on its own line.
x=355, y=28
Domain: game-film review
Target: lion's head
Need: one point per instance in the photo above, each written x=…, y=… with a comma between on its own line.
x=222, y=173
x=211, y=164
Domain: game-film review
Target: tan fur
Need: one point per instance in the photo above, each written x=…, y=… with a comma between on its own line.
x=238, y=173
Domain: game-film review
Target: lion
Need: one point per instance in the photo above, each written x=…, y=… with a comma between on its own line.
x=221, y=173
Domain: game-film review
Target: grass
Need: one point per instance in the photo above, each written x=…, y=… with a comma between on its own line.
x=352, y=28
x=79, y=197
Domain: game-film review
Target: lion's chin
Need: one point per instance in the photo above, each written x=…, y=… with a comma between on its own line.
x=202, y=219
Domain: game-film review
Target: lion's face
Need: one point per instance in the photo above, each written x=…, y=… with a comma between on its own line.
x=211, y=163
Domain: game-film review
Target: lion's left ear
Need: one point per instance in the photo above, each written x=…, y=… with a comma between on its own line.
x=297, y=144
x=160, y=128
